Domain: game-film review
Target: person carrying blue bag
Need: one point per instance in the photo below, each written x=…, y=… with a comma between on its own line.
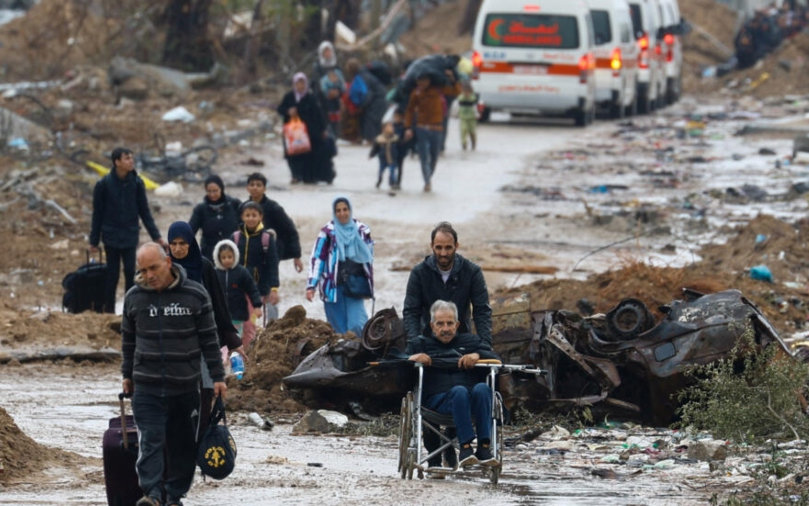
x=341, y=269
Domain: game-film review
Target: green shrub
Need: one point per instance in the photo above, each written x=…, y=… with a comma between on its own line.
x=750, y=396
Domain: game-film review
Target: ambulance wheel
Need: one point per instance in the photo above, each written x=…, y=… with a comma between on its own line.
x=644, y=105
x=584, y=117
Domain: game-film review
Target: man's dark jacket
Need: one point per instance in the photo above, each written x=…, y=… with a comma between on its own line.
x=163, y=335
x=443, y=375
x=464, y=286
x=117, y=205
x=287, y=242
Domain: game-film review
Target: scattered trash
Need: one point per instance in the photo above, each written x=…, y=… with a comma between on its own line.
x=761, y=273
x=253, y=162
x=179, y=113
x=258, y=421
x=170, y=189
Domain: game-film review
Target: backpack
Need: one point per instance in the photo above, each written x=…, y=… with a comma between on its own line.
x=358, y=91
x=265, y=238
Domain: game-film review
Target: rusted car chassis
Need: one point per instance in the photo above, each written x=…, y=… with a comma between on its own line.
x=620, y=362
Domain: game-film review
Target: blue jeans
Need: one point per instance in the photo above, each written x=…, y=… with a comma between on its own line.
x=466, y=406
x=428, y=143
x=167, y=429
x=392, y=175
x=348, y=313
x=114, y=258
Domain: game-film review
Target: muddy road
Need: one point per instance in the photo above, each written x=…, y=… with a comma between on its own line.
x=67, y=406
x=533, y=194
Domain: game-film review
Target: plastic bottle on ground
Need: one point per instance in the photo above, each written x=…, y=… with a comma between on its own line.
x=237, y=365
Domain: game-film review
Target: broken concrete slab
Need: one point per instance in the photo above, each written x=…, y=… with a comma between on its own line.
x=707, y=450
x=163, y=81
x=321, y=420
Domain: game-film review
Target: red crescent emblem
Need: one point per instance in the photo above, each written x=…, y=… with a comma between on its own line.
x=493, y=26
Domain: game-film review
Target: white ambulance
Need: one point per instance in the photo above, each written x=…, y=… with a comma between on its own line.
x=616, y=53
x=535, y=57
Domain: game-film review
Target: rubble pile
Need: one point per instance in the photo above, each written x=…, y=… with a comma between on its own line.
x=20, y=455
x=722, y=267
x=700, y=51
x=275, y=353
x=781, y=72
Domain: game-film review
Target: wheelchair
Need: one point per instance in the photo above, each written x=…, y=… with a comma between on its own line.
x=415, y=418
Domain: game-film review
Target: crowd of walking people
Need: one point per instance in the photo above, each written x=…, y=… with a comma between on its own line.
x=202, y=299
x=767, y=29
x=364, y=104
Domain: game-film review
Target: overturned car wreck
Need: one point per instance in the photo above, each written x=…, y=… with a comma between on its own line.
x=620, y=362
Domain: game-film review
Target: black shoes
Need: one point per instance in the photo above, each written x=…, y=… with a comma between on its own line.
x=467, y=455
x=484, y=455
x=450, y=458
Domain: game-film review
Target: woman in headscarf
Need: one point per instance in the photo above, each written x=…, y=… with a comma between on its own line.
x=314, y=165
x=217, y=216
x=184, y=251
x=329, y=85
x=342, y=239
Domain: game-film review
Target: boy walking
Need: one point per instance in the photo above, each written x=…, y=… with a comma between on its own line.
x=257, y=249
x=386, y=148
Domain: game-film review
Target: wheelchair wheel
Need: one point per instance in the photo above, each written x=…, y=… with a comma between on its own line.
x=405, y=435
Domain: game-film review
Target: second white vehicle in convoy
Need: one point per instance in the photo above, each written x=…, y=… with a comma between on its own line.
x=616, y=53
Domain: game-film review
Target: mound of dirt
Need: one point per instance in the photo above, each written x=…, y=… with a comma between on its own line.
x=437, y=32
x=784, y=72
x=275, y=353
x=40, y=330
x=699, y=51
x=21, y=456
x=723, y=267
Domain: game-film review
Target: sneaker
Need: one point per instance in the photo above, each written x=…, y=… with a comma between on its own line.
x=148, y=501
x=484, y=455
x=451, y=458
x=427, y=187
x=467, y=455
x=378, y=182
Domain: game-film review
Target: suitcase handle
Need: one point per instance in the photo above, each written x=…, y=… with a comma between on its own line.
x=100, y=256
x=121, y=397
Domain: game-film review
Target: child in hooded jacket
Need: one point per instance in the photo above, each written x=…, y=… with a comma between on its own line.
x=237, y=283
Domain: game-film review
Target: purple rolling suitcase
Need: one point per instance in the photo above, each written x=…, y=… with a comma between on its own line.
x=120, y=451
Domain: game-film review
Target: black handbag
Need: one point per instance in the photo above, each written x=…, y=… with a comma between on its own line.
x=216, y=454
x=351, y=277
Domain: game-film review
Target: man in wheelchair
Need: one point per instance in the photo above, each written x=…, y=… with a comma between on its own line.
x=453, y=385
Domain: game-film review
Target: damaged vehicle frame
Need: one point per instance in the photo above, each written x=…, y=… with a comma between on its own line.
x=621, y=362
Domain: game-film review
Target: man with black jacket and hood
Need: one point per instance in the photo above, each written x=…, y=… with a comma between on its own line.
x=119, y=200
x=446, y=275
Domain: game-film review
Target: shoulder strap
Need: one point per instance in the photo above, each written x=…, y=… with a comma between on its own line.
x=265, y=241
